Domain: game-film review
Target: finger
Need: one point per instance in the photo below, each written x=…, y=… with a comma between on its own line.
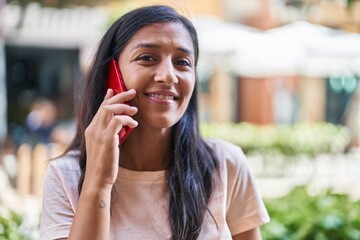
x=125, y=121
x=108, y=95
x=122, y=97
x=108, y=111
x=121, y=109
x=119, y=121
x=104, y=116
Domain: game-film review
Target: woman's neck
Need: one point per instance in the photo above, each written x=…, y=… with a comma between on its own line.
x=146, y=149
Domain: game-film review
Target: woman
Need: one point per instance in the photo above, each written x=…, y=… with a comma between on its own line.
x=164, y=181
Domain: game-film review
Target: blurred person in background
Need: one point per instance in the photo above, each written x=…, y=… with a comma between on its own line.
x=42, y=125
x=164, y=181
x=41, y=120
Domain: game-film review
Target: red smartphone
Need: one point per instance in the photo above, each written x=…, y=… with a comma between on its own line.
x=116, y=82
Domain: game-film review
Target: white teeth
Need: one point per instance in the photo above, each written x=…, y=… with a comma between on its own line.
x=161, y=96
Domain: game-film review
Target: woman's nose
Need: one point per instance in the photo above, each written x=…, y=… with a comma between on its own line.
x=166, y=73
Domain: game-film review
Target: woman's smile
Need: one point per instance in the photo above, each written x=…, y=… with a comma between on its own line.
x=162, y=97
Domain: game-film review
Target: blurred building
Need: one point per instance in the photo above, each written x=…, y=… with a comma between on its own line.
x=276, y=81
x=276, y=59
x=45, y=48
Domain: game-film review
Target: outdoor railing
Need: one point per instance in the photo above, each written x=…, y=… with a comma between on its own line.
x=32, y=163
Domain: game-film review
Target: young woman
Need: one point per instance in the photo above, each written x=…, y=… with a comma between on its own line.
x=164, y=181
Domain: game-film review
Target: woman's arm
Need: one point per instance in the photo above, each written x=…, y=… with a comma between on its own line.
x=92, y=217
x=253, y=234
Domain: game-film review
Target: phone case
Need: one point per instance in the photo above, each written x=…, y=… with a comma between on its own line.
x=116, y=82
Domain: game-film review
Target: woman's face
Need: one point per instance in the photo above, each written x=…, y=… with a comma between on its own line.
x=159, y=63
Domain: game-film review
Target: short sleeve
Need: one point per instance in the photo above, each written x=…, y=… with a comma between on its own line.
x=58, y=203
x=245, y=208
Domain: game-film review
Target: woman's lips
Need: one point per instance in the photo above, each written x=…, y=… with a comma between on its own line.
x=162, y=97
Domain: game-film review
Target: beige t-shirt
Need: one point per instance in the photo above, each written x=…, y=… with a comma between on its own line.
x=140, y=206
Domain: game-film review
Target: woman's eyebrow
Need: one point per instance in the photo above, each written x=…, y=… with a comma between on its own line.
x=185, y=50
x=145, y=45
x=151, y=45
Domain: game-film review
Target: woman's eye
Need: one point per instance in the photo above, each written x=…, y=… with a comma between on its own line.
x=146, y=58
x=183, y=63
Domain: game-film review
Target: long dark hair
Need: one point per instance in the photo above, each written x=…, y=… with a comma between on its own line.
x=192, y=164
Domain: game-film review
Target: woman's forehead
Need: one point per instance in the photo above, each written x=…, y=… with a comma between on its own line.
x=163, y=33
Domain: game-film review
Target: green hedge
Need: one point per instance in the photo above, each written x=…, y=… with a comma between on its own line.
x=299, y=216
x=10, y=224
x=300, y=138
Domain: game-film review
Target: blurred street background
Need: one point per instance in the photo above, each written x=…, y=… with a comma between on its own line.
x=280, y=78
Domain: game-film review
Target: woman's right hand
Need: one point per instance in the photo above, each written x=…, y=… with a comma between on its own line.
x=102, y=138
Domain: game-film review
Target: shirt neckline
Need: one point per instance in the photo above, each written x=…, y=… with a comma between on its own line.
x=134, y=175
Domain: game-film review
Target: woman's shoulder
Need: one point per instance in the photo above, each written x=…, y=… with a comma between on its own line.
x=224, y=148
x=65, y=165
x=227, y=153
